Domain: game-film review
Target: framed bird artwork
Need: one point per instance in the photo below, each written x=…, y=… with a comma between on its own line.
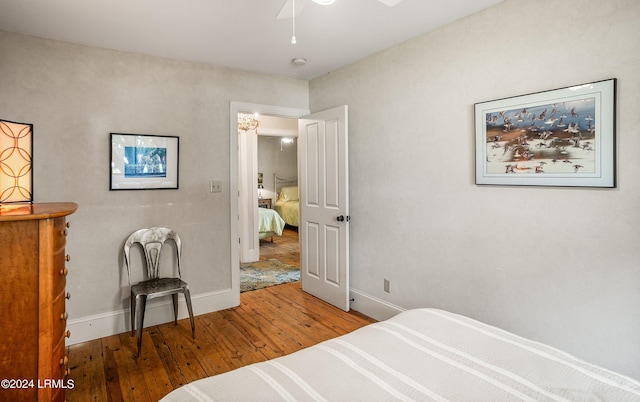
x=561, y=137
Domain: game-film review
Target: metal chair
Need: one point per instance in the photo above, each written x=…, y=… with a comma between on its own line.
x=152, y=241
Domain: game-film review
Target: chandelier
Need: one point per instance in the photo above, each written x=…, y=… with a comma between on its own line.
x=247, y=122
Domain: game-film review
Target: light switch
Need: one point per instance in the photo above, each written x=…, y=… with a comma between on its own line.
x=215, y=186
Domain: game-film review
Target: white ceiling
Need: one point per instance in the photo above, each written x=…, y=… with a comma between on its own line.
x=241, y=34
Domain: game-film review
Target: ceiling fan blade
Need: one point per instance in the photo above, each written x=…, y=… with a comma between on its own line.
x=390, y=3
x=286, y=12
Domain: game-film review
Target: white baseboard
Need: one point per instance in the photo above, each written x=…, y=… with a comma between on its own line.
x=372, y=306
x=160, y=311
x=157, y=312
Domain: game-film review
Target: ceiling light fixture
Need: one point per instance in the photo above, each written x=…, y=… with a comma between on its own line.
x=299, y=61
x=324, y=2
x=285, y=140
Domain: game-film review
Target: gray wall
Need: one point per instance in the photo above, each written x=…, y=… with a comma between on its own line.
x=271, y=159
x=75, y=96
x=559, y=265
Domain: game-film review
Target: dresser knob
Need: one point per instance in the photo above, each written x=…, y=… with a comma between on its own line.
x=64, y=232
x=68, y=224
x=67, y=334
x=64, y=361
x=64, y=271
x=64, y=316
x=67, y=372
x=67, y=296
x=67, y=258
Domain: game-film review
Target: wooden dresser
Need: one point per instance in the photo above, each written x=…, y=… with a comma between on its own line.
x=33, y=361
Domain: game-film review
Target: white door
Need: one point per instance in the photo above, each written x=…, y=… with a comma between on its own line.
x=324, y=205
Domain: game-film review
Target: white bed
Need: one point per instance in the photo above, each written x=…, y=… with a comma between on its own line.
x=269, y=223
x=287, y=199
x=421, y=354
x=288, y=205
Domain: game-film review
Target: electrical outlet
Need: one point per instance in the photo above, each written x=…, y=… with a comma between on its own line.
x=386, y=286
x=215, y=186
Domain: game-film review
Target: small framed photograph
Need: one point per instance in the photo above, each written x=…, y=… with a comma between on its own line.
x=143, y=162
x=562, y=137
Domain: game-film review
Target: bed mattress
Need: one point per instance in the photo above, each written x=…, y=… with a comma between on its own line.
x=421, y=354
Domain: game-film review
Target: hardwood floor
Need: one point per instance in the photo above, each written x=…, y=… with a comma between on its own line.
x=269, y=323
x=285, y=248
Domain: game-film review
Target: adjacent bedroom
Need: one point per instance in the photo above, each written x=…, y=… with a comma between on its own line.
x=275, y=257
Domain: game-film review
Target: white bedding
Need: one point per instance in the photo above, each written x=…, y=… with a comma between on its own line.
x=289, y=210
x=422, y=354
x=288, y=205
x=269, y=222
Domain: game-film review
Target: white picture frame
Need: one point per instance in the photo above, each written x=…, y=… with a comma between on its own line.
x=562, y=137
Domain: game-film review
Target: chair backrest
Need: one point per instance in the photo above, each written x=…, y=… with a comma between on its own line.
x=152, y=241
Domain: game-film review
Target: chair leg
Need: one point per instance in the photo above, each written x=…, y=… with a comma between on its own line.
x=141, y=302
x=187, y=298
x=175, y=308
x=132, y=303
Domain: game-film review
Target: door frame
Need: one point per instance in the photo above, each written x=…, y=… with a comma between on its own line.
x=234, y=213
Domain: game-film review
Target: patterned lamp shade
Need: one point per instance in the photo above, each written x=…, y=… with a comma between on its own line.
x=16, y=149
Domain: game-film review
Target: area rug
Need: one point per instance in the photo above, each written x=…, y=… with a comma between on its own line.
x=262, y=274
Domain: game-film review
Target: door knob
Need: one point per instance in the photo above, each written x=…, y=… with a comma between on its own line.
x=342, y=218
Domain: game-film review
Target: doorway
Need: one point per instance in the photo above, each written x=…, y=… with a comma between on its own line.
x=277, y=171
x=243, y=194
x=323, y=202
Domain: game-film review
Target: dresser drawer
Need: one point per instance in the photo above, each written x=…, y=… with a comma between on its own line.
x=59, y=360
x=59, y=365
x=59, y=280
x=60, y=271
x=59, y=316
x=59, y=236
